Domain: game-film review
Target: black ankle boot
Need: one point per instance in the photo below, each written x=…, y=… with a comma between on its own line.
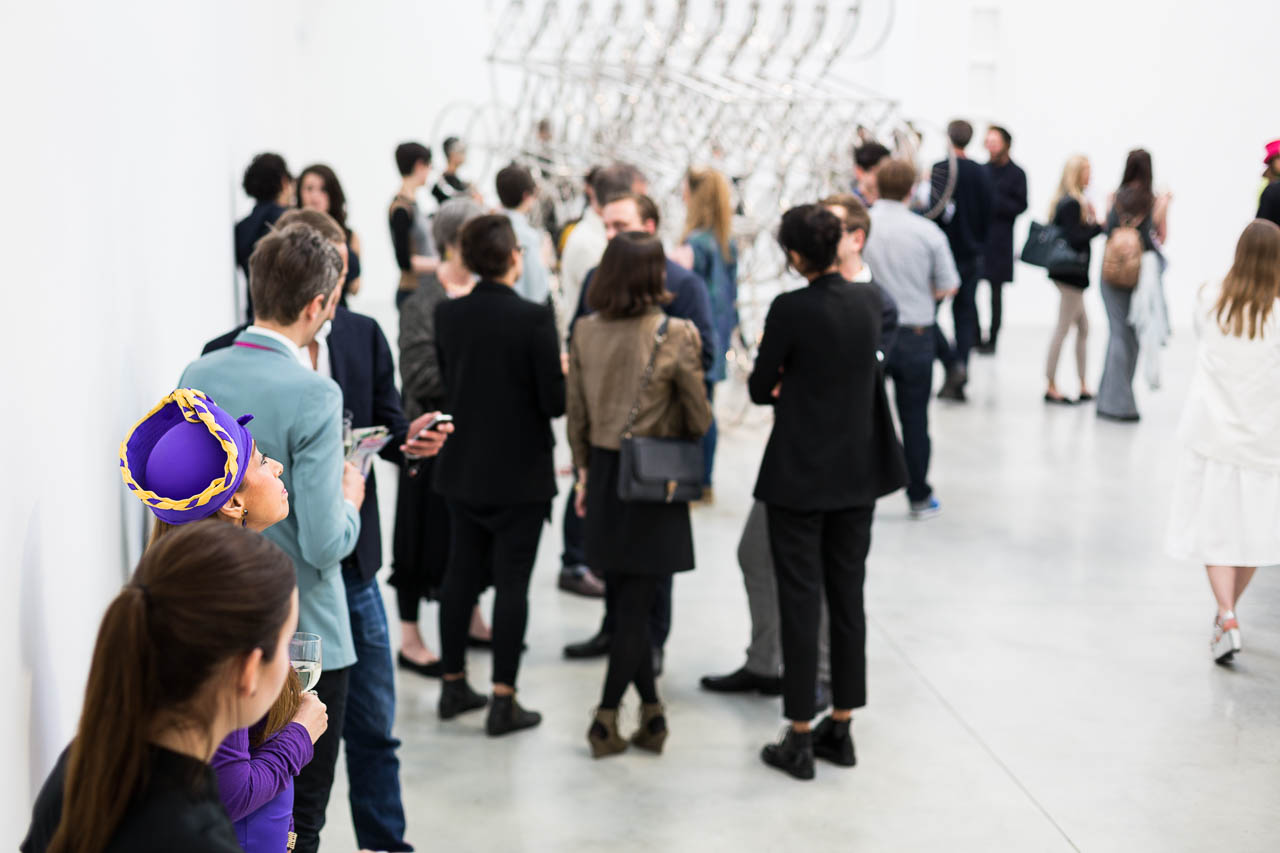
x=506, y=716
x=833, y=741
x=793, y=754
x=457, y=697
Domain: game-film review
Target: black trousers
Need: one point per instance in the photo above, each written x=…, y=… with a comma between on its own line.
x=827, y=549
x=311, y=788
x=574, y=548
x=997, y=309
x=504, y=539
x=659, y=610
x=630, y=650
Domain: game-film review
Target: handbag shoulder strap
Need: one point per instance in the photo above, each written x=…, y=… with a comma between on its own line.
x=658, y=337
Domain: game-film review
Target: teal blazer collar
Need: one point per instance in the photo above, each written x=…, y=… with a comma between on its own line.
x=252, y=340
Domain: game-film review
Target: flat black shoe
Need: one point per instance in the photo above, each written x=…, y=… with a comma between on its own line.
x=597, y=646
x=1058, y=401
x=742, y=681
x=457, y=697
x=427, y=670
x=506, y=716
x=832, y=741
x=659, y=658
x=1085, y=398
x=793, y=754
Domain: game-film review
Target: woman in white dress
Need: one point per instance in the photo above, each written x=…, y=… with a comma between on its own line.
x=1226, y=499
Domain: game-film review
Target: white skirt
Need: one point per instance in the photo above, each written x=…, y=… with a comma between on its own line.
x=1224, y=515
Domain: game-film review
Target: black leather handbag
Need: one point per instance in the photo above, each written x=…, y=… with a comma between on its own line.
x=657, y=470
x=1047, y=247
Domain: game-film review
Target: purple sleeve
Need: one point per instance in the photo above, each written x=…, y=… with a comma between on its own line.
x=249, y=780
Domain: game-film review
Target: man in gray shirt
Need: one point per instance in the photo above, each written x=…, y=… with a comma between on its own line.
x=909, y=257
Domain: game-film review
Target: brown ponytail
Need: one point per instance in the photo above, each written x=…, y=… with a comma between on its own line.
x=202, y=597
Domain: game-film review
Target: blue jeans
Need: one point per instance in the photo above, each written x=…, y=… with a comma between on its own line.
x=911, y=369
x=373, y=770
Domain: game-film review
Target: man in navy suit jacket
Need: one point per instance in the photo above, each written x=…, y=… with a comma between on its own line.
x=690, y=301
x=355, y=354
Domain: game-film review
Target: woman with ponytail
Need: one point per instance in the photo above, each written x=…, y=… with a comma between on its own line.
x=190, y=462
x=193, y=648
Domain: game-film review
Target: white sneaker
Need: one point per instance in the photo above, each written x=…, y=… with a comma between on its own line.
x=1226, y=638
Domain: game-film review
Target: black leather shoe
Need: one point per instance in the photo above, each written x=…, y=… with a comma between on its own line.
x=428, y=670
x=506, y=716
x=597, y=646
x=793, y=754
x=832, y=741
x=742, y=681
x=457, y=697
x=580, y=581
x=659, y=657
x=953, y=387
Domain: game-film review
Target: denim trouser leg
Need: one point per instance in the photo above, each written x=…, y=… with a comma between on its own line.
x=372, y=767
x=911, y=369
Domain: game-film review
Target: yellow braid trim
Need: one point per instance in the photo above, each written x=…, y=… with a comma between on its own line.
x=194, y=410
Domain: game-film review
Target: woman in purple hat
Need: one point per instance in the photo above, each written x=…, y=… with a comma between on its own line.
x=191, y=462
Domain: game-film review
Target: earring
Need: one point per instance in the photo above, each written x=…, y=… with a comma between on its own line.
x=244, y=518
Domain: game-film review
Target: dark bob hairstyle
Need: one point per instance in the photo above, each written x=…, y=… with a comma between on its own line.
x=813, y=233
x=631, y=278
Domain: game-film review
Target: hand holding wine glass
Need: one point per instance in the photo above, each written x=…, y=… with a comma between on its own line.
x=312, y=715
x=304, y=655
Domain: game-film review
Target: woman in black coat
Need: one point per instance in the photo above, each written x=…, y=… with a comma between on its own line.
x=1074, y=215
x=832, y=452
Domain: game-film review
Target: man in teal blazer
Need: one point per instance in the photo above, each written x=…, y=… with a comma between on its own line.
x=297, y=412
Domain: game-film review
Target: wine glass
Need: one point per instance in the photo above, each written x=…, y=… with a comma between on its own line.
x=304, y=655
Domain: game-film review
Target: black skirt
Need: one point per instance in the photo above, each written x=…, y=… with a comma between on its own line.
x=420, y=543
x=632, y=537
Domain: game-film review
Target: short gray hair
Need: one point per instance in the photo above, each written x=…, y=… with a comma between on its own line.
x=450, y=218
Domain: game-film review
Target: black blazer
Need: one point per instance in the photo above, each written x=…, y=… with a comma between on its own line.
x=500, y=358
x=966, y=230
x=360, y=362
x=1070, y=218
x=833, y=444
x=1008, y=202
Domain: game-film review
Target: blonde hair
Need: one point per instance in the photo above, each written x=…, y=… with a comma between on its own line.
x=1252, y=285
x=1069, y=186
x=709, y=206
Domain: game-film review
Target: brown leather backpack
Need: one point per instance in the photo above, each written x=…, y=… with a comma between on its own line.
x=1122, y=257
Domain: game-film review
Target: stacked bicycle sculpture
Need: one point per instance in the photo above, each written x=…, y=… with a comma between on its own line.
x=666, y=85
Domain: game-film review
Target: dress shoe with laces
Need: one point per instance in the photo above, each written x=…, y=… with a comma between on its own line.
x=506, y=716
x=579, y=580
x=792, y=754
x=832, y=741
x=596, y=647
x=743, y=681
x=457, y=697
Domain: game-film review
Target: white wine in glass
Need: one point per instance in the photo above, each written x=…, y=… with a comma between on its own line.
x=304, y=654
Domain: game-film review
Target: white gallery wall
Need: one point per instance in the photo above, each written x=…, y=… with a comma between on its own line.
x=128, y=126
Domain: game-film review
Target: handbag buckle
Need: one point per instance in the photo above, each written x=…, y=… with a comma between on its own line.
x=671, y=490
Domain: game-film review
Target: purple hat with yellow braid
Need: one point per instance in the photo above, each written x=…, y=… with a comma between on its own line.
x=186, y=457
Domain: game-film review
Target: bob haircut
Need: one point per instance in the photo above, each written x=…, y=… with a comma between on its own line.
x=631, y=278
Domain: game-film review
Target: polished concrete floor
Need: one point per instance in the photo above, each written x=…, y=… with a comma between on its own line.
x=1039, y=672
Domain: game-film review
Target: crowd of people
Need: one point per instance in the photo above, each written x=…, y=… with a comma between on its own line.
x=196, y=731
